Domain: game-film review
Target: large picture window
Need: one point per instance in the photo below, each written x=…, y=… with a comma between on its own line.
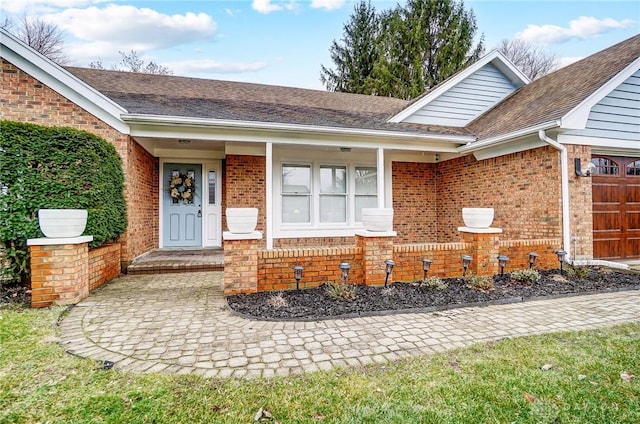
x=323, y=194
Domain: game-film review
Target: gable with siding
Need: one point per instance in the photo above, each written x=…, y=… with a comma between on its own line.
x=467, y=100
x=617, y=115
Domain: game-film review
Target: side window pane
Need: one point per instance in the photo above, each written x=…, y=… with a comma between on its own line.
x=633, y=168
x=333, y=179
x=366, y=180
x=296, y=179
x=296, y=193
x=295, y=209
x=366, y=190
x=212, y=187
x=605, y=166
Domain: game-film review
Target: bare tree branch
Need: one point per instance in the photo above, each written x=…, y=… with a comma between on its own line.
x=42, y=36
x=531, y=59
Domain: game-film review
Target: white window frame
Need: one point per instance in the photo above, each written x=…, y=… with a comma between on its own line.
x=316, y=228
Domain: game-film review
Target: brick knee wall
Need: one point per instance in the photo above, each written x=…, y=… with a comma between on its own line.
x=104, y=264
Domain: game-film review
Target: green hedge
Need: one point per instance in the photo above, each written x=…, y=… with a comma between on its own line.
x=57, y=167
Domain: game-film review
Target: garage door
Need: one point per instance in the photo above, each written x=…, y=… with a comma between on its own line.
x=616, y=207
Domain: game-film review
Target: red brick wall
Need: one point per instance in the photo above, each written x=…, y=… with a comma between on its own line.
x=313, y=241
x=104, y=264
x=518, y=253
x=321, y=264
x=244, y=186
x=523, y=188
x=414, y=202
x=28, y=100
x=142, y=203
x=446, y=259
x=581, y=204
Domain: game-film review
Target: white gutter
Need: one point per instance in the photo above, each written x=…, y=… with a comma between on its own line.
x=564, y=169
x=506, y=138
x=228, y=123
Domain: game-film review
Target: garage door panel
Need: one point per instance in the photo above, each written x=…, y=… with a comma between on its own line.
x=616, y=208
x=606, y=193
x=632, y=221
x=607, y=221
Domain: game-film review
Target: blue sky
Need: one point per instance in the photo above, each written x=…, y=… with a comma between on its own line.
x=285, y=42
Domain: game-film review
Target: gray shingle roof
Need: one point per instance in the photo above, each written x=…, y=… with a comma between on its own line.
x=554, y=95
x=213, y=99
x=546, y=99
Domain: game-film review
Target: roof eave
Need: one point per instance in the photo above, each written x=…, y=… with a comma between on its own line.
x=498, y=140
x=284, y=127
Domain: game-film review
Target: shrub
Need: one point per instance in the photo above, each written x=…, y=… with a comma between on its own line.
x=56, y=167
x=435, y=283
x=526, y=276
x=340, y=291
x=477, y=282
x=277, y=301
x=577, y=271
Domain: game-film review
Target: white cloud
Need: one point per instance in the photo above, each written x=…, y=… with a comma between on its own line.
x=327, y=4
x=189, y=67
x=268, y=6
x=30, y=7
x=129, y=28
x=583, y=27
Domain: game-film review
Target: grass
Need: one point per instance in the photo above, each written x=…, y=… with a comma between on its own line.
x=498, y=382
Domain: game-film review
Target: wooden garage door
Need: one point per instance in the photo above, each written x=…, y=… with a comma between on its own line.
x=616, y=207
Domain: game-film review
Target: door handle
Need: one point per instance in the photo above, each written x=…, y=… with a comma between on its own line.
x=199, y=214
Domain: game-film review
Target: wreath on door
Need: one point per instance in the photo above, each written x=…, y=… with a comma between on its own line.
x=182, y=187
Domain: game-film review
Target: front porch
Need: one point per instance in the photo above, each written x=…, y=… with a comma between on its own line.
x=172, y=260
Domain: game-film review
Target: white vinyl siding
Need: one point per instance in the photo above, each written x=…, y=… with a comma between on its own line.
x=616, y=116
x=466, y=100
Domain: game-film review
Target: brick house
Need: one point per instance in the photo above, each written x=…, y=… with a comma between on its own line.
x=311, y=160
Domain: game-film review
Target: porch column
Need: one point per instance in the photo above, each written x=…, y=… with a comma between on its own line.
x=376, y=248
x=241, y=262
x=485, y=248
x=59, y=270
x=269, y=194
x=380, y=175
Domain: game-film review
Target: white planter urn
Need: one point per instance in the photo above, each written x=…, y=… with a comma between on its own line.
x=477, y=217
x=62, y=223
x=377, y=219
x=242, y=220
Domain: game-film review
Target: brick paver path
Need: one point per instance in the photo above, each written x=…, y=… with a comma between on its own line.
x=179, y=323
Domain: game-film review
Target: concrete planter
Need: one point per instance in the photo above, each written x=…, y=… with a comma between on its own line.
x=62, y=223
x=477, y=217
x=377, y=219
x=242, y=220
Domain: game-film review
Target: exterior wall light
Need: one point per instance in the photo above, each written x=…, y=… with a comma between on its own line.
x=502, y=261
x=388, y=268
x=345, y=267
x=532, y=259
x=561, y=255
x=297, y=274
x=466, y=260
x=426, y=264
x=587, y=172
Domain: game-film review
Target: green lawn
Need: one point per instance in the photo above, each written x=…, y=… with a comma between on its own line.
x=495, y=383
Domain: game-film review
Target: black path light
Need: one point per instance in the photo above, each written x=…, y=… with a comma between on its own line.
x=466, y=260
x=345, y=267
x=297, y=274
x=426, y=264
x=532, y=259
x=561, y=255
x=502, y=261
x=388, y=268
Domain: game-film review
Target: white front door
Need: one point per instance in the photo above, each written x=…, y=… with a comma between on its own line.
x=212, y=204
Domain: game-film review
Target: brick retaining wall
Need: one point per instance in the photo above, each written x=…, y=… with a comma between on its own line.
x=104, y=264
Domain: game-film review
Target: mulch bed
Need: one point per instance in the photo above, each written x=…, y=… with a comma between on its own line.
x=315, y=304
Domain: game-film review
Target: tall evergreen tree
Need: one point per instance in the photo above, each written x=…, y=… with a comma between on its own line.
x=354, y=56
x=414, y=47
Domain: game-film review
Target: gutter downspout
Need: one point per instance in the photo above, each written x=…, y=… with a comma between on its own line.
x=566, y=229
